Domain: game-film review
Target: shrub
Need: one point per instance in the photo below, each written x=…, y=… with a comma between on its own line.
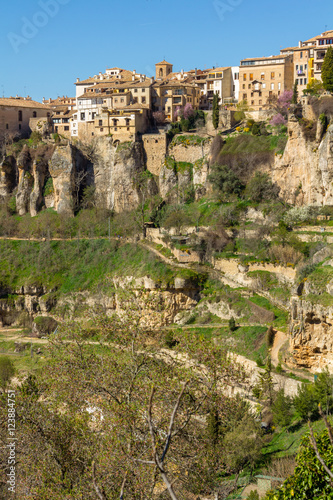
x=256, y=129
x=224, y=179
x=270, y=335
x=169, y=340
x=232, y=324
x=285, y=254
x=7, y=371
x=239, y=116
x=261, y=188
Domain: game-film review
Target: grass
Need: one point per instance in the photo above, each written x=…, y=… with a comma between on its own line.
x=286, y=442
x=248, y=341
x=281, y=317
x=187, y=140
x=247, y=143
x=70, y=266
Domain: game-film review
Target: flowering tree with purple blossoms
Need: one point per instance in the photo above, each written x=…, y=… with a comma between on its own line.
x=278, y=120
x=188, y=111
x=284, y=100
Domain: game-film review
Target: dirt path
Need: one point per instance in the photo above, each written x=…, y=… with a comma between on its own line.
x=279, y=339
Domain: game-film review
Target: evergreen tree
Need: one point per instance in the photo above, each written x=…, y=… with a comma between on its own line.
x=213, y=427
x=216, y=111
x=295, y=93
x=306, y=402
x=282, y=409
x=232, y=324
x=264, y=389
x=327, y=70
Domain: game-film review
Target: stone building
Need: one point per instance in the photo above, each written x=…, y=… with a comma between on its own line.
x=323, y=41
x=169, y=95
x=63, y=109
x=263, y=78
x=16, y=114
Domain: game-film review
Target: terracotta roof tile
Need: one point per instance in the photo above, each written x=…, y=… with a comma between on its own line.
x=20, y=102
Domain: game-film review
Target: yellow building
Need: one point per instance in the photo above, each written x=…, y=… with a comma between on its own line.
x=169, y=95
x=262, y=79
x=16, y=113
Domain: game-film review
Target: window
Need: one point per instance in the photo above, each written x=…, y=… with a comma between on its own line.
x=135, y=90
x=305, y=81
x=264, y=85
x=272, y=86
x=305, y=66
x=272, y=75
x=100, y=123
x=279, y=85
x=301, y=81
x=101, y=129
x=263, y=76
x=244, y=97
x=20, y=116
x=143, y=90
x=34, y=114
x=66, y=128
x=93, y=115
x=244, y=77
x=236, y=76
x=301, y=55
x=127, y=122
x=169, y=109
x=143, y=100
x=252, y=103
x=83, y=116
x=251, y=76
x=122, y=99
x=249, y=85
x=296, y=67
x=244, y=86
x=7, y=126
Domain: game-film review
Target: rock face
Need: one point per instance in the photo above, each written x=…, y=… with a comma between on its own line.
x=305, y=171
x=8, y=176
x=311, y=335
x=143, y=297
x=117, y=171
x=62, y=169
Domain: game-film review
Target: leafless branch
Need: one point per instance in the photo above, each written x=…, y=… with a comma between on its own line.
x=315, y=447
x=123, y=487
x=159, y=462
x=328, y=425
x=99, y=493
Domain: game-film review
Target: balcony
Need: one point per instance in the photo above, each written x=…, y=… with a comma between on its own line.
x=300, y=72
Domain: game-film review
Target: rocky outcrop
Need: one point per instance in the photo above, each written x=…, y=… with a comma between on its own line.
x=26, y=181
x=311, y=330
x=154, y=304
x=305, y=171
x=8, y=176
x=62, y=169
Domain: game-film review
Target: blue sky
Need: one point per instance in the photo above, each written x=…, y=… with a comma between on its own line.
x=46, y=44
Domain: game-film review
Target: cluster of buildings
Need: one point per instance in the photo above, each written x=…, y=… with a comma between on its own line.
x=125, y=103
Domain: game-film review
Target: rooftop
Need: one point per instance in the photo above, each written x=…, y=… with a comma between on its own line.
x=22, y=102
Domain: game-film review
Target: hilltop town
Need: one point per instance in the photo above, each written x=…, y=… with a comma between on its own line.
x=127, y=104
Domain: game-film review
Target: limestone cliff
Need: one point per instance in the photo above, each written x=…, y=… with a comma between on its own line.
x=155, y=305
x=305, y=170
x=311, y=331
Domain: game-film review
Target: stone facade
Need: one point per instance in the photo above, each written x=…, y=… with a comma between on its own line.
x=155, y=147
x=263, y=78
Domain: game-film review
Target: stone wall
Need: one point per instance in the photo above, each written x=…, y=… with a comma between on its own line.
x=188, y=153
x=155, y=147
